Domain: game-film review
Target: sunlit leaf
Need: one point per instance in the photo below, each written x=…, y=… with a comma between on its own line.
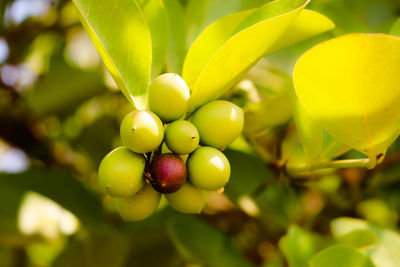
x=386, y=250
x=307, y=24
x=228, y=48
x=198, y=242
x=156, y=17
x=177, y=43
x=350, y=86
x=341, y=256
x=122, y=38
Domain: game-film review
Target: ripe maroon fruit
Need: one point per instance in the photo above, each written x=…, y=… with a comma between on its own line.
x=168, y=173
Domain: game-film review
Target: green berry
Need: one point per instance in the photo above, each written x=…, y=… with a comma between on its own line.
x=168, y=97
x=121, y=172
x=182, y=137
x=139, y=206
x=219, y=123
x=142, y=131
x=188, y=199
x=208, y=168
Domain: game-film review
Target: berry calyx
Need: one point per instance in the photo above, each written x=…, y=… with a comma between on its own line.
x=168, y=173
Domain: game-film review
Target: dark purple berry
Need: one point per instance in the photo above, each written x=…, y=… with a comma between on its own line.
x=168, y=173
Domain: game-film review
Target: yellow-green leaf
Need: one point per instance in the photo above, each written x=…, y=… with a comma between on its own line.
x=121, y=36
x=177, y=43
x=252, y=33
x=311, y=134
x=306, y=25
x=341, y=255
x=350, y=86
x=156, y=17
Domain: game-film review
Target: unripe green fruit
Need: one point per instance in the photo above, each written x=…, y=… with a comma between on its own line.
x=139, y=206
x=121, y=172
x=168, y=97
x=219, y=123
x=182, y=137
x=188, y=199
x=142, y=131
x=208, y=168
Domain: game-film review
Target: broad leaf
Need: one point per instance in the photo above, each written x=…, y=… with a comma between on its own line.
x=121, y=36
x=156, y=17
x=384, y=253
x=358, y=238
x=341, y=256
x=198, y=242
x=306, y=25
x=177, y=42
x=228, y=48
x=350, y=86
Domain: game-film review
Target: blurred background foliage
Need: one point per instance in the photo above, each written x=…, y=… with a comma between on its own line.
x=59, y=115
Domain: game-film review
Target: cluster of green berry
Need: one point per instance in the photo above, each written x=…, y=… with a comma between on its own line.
x=136, y=174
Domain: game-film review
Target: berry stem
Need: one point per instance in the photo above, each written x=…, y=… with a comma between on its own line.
x=348, y=163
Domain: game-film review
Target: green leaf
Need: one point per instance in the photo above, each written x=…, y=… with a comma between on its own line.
x=122, y=38
x=278, y=107
x=311, y=134
x=200, y=14
x=354, y=79
x=386, y=250
x=340, y=256
x=248, y=174
x=309, y=23
x=396, y=28
x=59, y=186
x=198, y=242
x=101, y=246
x=358, y=238
x=177, y=42
x=156, y=17
x=299, y=246
x=228, y=48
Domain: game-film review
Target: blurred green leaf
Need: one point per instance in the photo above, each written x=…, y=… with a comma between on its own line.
x=122, y=38
x=358, y=238
x=396, y=28
x=248, y=173
x=196, y=241
x=210, y=71
x=58, y=185
x=341, y=256
x=100, y=246
x=177, y=42
x=63, y=89
x=299, y=246
x=386, y=251
x=156, y=17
